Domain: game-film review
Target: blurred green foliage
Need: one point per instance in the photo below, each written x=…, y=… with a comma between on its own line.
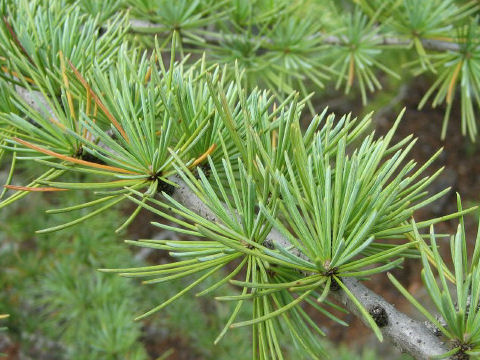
x=53, y=293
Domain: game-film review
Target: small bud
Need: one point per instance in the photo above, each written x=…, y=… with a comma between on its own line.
x=379, y=315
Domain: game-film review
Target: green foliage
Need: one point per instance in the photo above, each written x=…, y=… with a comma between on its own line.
x=52, y=290
x=458, y=66
x=34, y=35
x=90, y=315
x=357, y=55
x=280, y=45
x=99, y=8
x=283, y=214
x=286, y=46
x=154, y=123
x=455, y=295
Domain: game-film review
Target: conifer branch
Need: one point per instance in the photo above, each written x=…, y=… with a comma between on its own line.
x=409, y=335
x=430, y=44
x=292, y=236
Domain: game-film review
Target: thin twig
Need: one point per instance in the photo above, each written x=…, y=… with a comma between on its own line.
x=430, y=44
